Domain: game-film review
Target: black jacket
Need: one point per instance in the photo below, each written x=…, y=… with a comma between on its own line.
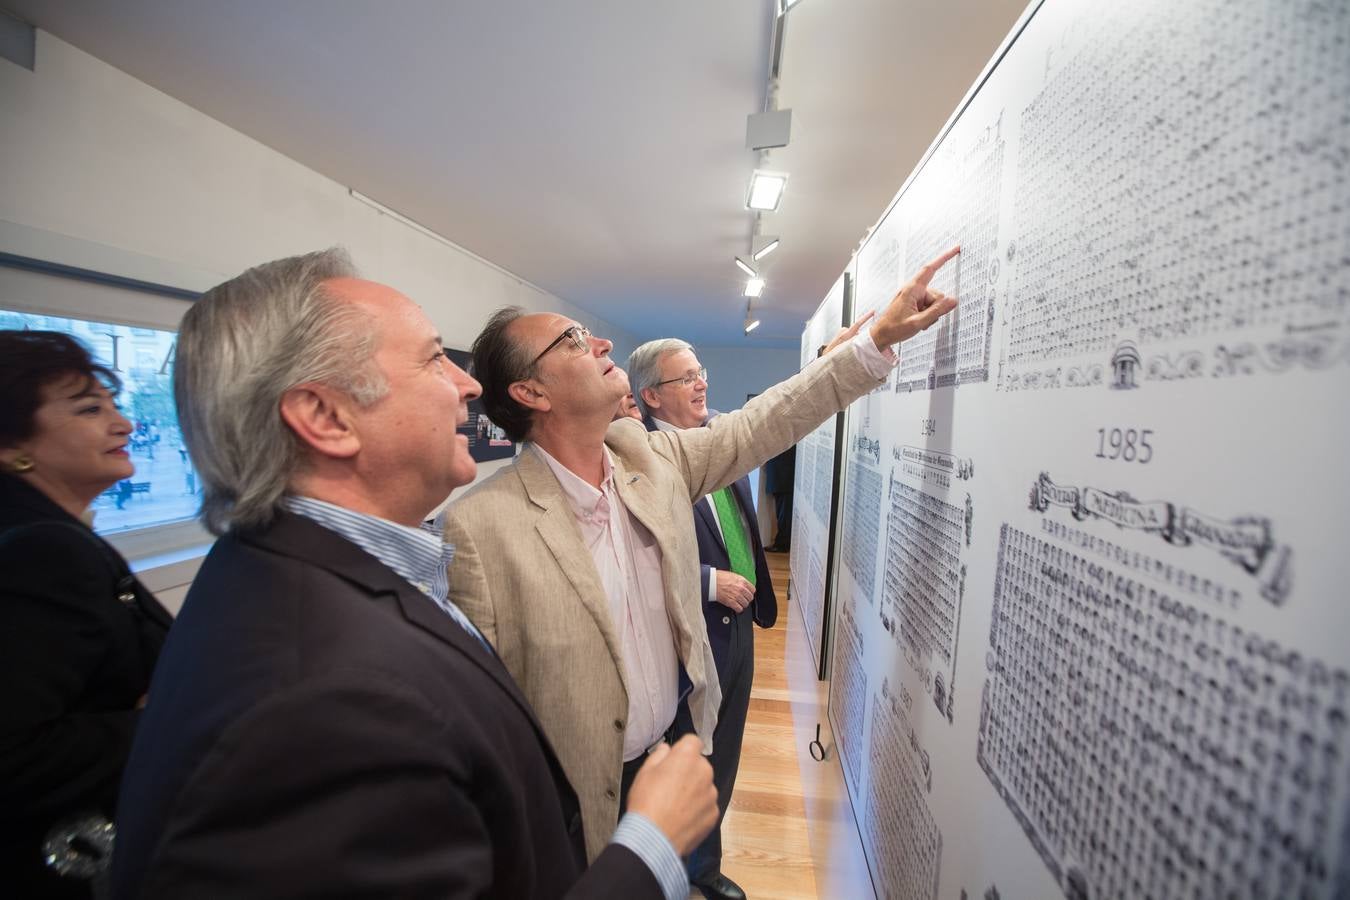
x=319, y=728
x=74, y=661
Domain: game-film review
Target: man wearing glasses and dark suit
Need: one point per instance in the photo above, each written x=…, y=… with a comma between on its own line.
x=671, y=386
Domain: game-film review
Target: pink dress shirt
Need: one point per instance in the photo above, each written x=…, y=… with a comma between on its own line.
x=628, y=561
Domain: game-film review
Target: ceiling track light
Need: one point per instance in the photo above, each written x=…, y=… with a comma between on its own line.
x=751, y=325
x=768, y=130
x=764, y=251
x=766, y=190
x=745, y=267
x=754, y=287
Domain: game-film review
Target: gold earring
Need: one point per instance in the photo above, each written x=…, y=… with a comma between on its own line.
x=21, y=464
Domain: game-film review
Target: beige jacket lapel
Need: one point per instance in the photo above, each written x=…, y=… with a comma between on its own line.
x=557, y=528
x=636, y=490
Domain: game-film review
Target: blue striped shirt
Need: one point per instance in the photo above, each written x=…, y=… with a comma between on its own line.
x=420, y=557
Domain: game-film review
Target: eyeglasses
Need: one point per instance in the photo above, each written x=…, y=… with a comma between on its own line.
x=579, y=335
x=688, y=378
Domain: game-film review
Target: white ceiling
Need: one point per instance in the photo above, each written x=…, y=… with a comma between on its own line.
x=593, y=147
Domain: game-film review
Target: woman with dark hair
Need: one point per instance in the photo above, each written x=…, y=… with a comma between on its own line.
x=79, y=635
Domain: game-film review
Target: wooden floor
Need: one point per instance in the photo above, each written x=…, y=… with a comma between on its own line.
x=765, y=847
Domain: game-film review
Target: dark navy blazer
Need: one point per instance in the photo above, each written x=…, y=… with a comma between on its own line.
x=318, y=727
x=712, y=553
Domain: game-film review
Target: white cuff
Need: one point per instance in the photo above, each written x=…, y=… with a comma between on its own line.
x=877, y=362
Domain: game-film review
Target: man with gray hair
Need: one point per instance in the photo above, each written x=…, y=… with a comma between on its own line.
x=671, y=387
x=325, y=722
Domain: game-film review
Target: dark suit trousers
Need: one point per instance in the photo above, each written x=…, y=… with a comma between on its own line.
x=631, y=768
x=736, y=674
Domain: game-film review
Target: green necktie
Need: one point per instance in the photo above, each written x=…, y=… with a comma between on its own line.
x=733, y=535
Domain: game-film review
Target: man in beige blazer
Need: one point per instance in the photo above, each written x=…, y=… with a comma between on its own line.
x=579, y=563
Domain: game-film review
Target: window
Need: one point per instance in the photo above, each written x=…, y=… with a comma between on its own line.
x=164, y=489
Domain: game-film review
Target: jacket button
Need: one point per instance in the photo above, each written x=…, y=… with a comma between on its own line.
x=611, y=794
x=726, y=620
x=618, y=724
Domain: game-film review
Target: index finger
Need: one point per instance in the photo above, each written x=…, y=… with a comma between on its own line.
x=861, y=321
x=927, y=272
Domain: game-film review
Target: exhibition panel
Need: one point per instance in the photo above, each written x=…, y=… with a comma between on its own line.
x=816, y=489
x=1089, y=618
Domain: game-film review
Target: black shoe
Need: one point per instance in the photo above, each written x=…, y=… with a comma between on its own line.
x=775, y=548
x=719, y=887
